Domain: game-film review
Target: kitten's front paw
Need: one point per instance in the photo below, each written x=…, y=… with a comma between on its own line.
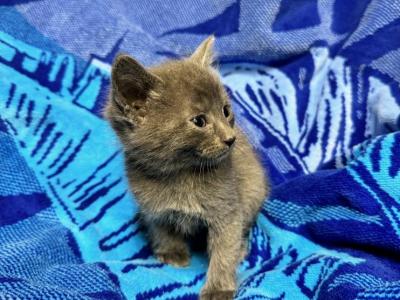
x=177, y=259
x=217, y=295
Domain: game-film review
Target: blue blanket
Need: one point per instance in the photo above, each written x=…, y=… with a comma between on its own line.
x=315, y=84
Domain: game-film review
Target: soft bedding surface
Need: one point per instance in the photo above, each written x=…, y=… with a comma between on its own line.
x=315, y=84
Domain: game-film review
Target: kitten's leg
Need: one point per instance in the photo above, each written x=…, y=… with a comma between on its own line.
x=224, y=245
x=169, y=247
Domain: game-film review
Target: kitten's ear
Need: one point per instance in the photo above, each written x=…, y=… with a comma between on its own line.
x=131, y=82
x=204, y=54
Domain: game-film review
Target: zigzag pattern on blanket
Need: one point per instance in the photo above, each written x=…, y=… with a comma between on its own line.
x=331, y=229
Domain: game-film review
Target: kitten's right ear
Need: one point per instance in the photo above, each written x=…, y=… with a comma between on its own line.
x=204, y=54
x=131, y=82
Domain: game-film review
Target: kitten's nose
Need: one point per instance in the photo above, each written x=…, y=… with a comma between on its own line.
x=229, y=142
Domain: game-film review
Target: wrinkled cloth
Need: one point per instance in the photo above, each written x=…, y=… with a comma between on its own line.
x=315, y=85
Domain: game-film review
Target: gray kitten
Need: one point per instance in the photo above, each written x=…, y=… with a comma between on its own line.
x=188, y=165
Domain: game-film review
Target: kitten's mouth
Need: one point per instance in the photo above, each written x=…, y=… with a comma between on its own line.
x=222, y=155
x=215, y=157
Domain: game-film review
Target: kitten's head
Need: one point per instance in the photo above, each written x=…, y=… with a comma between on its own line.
x=173, y=116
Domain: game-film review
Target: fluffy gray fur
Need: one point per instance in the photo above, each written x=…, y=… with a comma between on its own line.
x=187, y=175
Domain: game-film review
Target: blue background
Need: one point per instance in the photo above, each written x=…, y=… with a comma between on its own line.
x=315, y=84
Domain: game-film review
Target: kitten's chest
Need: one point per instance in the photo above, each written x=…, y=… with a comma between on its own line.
x=173, y=196
x=186, y=194
x=177, y=205
x=185, y=223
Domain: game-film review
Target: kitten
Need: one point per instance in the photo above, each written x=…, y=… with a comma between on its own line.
x=188, y=165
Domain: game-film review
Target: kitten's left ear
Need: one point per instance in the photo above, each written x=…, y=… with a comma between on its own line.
x=131, y=82
x=131, y=87
x=204, y=54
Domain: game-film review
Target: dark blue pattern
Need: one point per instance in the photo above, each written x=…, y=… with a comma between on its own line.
x=223, y=24
x=298, y=14
x=315, y=84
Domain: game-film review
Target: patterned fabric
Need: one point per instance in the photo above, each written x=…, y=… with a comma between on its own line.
x=315, y=84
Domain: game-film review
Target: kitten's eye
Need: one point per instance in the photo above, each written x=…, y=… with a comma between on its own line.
x=227, y=111
x=199, y=121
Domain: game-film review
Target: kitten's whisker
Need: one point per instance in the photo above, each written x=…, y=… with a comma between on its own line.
x=203, y=170
x=201, y=165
